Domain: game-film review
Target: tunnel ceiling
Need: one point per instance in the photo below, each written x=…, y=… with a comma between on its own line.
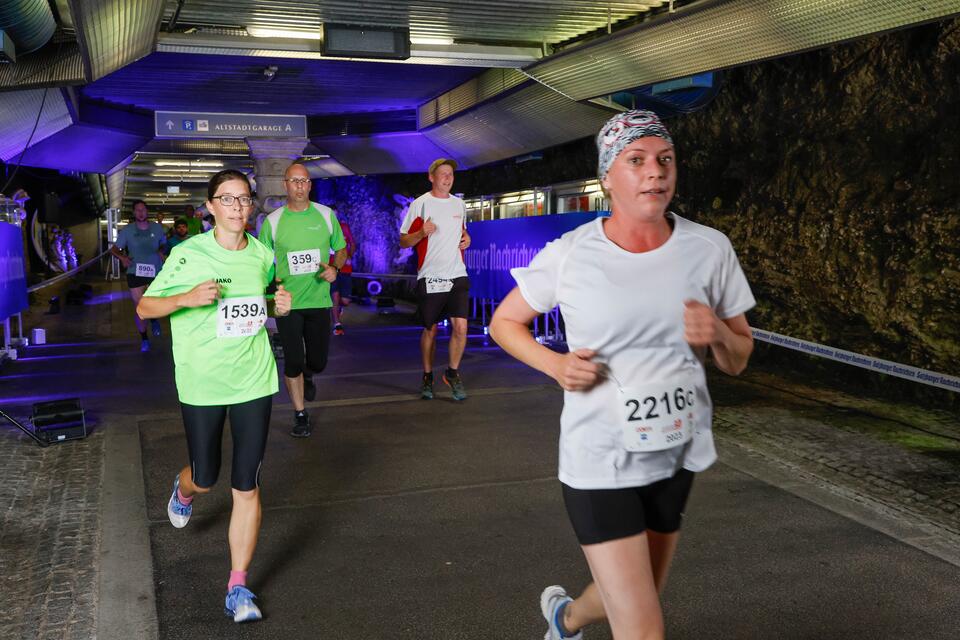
x=477, y=71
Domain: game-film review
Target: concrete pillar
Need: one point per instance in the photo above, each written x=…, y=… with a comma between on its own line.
x=271, y=158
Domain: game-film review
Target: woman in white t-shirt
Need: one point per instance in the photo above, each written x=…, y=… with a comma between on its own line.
x=644, y=294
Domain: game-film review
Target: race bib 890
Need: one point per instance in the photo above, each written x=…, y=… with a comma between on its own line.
x=241, y=317
x=146, y=270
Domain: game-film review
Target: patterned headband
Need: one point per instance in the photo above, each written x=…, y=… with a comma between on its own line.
x=621, y=130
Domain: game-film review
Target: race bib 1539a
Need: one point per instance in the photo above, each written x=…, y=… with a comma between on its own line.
x=241, y=317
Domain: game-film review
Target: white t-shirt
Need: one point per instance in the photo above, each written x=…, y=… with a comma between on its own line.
x=438, y=255
x=628, y=307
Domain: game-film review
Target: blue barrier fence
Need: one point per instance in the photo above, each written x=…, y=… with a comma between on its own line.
x=13, y=279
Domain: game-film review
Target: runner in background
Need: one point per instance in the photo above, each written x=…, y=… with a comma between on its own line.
x=436, y=224
x=342, y=288
x=302, y=234
x=140, y=249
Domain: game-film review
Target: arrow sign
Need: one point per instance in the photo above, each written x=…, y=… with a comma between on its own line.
x=169, y=125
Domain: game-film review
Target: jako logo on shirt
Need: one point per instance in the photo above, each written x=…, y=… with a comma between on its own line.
x=224, y=281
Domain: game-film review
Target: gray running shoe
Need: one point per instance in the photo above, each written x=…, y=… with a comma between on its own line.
x=453, y=380
x=426, y=387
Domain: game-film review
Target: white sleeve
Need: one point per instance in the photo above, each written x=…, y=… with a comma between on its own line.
x=730, y=291
x=413, y=212
x=539, y=283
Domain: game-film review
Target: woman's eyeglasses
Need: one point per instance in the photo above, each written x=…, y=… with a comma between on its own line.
x=228, y=200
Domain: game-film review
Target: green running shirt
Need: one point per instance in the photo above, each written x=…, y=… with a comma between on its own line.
x=142, y=245
x=212, y=371
x=286, y=231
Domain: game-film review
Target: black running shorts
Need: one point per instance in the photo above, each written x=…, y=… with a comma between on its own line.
x=249, y=424
x=134, y=281
x=599, y=515
x=305, y=337
x=432, y=307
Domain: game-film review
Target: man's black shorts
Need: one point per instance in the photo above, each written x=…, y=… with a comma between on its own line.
x=599, y=515
x=432, y=307
x=134, y=281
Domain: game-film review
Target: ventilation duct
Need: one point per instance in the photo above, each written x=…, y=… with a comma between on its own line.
x=29, y=23
x=723, y=34
x=527, y=119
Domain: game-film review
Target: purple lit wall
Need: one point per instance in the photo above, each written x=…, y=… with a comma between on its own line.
x=368, y=205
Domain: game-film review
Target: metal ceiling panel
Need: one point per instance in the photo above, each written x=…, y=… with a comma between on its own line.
x=54, y=66
x=723, y=34
x=526, y=120
x=19, y=112
x=470, y=93
x=114, y=33
x=184, y=82
x=197, y=147
x=82, y=147
x=406, y=152
x=529, y=21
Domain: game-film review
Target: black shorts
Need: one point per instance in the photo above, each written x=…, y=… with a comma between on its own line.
x=249, y=424
x=134, y=281
x=305, y=338
x=599, y=515
x=342, y=285
x=432, y=307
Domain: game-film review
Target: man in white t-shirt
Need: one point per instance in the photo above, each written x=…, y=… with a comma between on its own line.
x=436, y=226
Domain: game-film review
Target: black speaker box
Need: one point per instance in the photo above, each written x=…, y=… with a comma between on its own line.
x=355, y=41
x=59, y=420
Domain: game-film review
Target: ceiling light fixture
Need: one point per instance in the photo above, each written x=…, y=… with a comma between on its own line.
x=188, y=163
x=267, y=32
x=431, y=40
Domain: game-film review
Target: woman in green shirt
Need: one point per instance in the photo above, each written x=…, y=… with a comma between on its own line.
x=213, y=289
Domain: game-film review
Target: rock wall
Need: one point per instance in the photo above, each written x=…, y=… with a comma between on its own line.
x=836, y=175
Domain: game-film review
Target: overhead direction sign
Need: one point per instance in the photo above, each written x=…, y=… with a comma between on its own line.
x=193, y=124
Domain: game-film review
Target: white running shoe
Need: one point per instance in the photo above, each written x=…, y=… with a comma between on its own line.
x=550, y=602
x=178, y=512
